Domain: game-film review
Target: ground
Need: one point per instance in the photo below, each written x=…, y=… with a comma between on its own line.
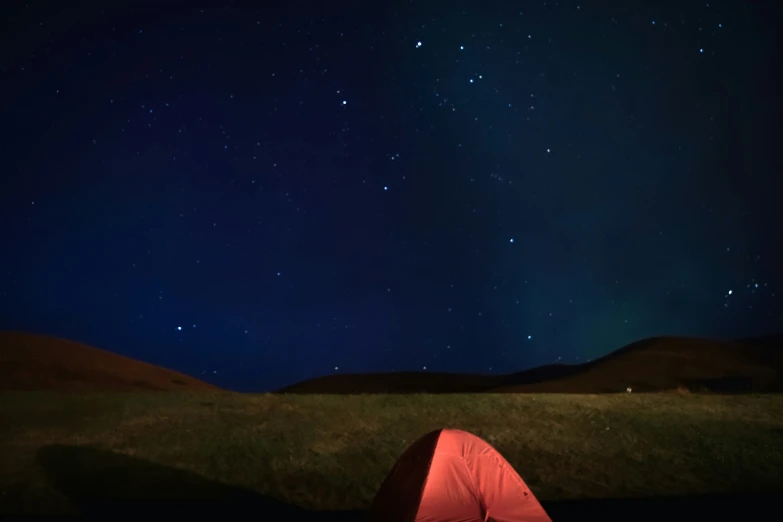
x=76, y=452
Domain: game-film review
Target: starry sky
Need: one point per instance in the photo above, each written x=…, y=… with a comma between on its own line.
x=257, y=196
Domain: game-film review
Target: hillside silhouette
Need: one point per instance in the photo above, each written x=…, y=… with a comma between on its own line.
x=39, y=362
x=651, y=365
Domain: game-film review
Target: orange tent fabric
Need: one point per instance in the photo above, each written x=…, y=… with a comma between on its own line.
x=454, y=476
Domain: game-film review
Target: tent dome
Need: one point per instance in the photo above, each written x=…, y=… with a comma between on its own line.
x=454, y=476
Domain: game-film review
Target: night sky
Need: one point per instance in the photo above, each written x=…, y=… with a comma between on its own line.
x=260, y=196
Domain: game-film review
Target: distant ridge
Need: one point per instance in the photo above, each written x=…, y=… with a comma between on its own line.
x=39, y=362
x=651, y=365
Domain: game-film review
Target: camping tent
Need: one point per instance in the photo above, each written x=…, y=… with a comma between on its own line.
x=454, y=476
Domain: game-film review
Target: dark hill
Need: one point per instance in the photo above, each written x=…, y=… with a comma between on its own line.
x=651, y=365
x=668, y=363
x=402, y=382
x=39, y=362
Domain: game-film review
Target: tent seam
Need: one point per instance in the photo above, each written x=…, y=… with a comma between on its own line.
x=479, y=497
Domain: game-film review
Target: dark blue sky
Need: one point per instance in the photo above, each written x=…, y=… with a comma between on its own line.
x=260, y=196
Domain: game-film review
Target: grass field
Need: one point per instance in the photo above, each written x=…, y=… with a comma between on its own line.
x=332, y=452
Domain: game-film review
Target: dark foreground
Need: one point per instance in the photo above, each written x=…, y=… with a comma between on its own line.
x=101, y=483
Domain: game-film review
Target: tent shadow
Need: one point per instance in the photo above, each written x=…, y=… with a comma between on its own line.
x=99, y=482
x=713, y=507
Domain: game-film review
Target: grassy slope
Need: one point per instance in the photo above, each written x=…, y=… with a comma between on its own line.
x=666, y=363
x=332, y=452
x=39, y=362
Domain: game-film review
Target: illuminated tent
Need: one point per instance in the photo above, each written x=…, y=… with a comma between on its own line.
x=454, y=476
